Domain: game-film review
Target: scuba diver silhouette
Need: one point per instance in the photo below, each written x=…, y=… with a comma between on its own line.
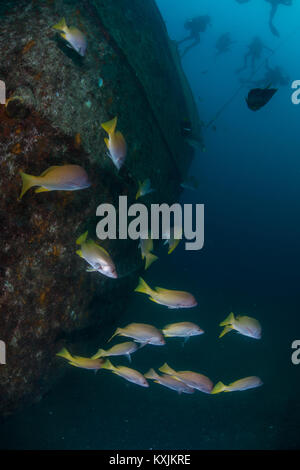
x=195, y=26
x=273, y=76
x=274, y=7
x=223, y=43
x=255, y=50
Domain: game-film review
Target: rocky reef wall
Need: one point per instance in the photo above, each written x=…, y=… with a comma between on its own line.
x=60, y=101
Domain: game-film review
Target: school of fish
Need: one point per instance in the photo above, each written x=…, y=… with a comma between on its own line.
x=70, y=177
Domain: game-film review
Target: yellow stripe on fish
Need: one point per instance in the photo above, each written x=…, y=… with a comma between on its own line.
x=131, y=375
x=141, y=333
x=56, y=178
x=82, y=362
x=192, y=379
x=244, y=325
x=239, y=385
x=75, y=38
x=166, y=297
x=169, y=382
x=96, y=256
x=115, y=143
x=121, y=349
x=146, y=246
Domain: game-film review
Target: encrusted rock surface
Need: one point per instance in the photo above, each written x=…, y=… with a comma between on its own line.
x=46, y=295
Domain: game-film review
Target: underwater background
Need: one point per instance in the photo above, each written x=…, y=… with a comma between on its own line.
x=249, y=182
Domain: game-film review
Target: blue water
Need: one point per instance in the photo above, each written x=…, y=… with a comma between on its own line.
x=249, y=183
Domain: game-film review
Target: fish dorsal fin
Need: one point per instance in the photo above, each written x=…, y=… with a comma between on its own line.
x=228, y=321
x=166, y=369
x=73, y=30
x=110, y=126
x=80, y=240
x=98, y=354
x=48, y=170
x=160, y=290
x=101, y=248
x=61, y=26
x=119, y=135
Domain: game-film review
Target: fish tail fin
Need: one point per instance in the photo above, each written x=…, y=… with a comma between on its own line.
x=143, y=287
x=151, y=374
x=28, y=182
x=65, y=354
x=108, y=365
x=218, y=388
x=150, y=258
x=61, y=26
x=138, y=194
x=98, y=354
x=225, y=330
x=117, y=332
x=174, y=245
x=167, y=369
x=110, y=126
x=82, y=238
x=228, y=321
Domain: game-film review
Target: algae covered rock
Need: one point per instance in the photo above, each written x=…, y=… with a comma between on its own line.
x=56, y=102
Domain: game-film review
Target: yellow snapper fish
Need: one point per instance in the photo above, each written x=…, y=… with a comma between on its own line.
x=169, y=298
x=82, y=362
x=144, y=188
x=182, y=329
x=75, y=38
x=115, y=143
x=244, y=325
x=192, y=379
x=173, y=238
x=146, y=246
x=128, y=374
x=96, y=256
x=238, y=385
x=122, y=349
x=56, y=178
x=169, y=382
x=141, y=333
